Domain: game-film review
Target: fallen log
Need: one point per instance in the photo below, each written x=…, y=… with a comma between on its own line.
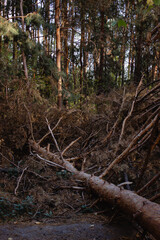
x=143, y=211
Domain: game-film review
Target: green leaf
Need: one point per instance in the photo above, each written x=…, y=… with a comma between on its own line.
x=157, y=2
x=121, y=23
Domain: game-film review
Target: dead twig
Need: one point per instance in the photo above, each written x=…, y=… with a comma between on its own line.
x=155, y=197
x=149, y=84
x=131, y=110
x=49, y=162
x=155, y=178
x=73, y=159
x=70, y=145
x=153, y=90
x=150, y=149
x=49, y=131
x=126, y=151
x=20, y=170
x=142, y=141
x=19, y=180
x=117, y=121
x=55, y=141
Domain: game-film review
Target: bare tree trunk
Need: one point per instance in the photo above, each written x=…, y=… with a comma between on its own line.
x=15, y=55
x=58, y=52
x=101, y=83
x=145, y=212
x=138, y=58
x=66, y=62
x=72, y=49
x=81, y=54
x=23, y=54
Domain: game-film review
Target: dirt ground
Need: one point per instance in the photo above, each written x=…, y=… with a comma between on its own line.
x=85, y=230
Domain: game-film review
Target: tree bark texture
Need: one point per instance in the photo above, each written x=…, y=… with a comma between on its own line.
x=145, y=212
x=23, y=54
x=58, y=51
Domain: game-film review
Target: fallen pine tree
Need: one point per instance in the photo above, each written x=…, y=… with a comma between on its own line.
x=144, y=113
x=143, y=211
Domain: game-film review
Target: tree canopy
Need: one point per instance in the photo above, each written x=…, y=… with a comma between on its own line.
x=104, y=44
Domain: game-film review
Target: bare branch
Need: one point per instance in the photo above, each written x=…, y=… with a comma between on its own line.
x=49, y=162
x=49, y=131
x=149, y=183
x=19, y=180
x=132, y=107
x=70, y=145
x=125, y=152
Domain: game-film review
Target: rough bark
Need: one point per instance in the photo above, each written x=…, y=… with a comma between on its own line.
x=58, y=51
x=23, y=53
x=81, y=54
x=145, y=212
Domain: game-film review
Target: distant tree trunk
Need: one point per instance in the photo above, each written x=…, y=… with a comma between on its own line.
x=130, y=52
x=47, y=20
x=81, y=54
x=65, y=35
x=58, y=51
x=85, y=59
x=23, y=54
x=124, y=41
x=72, y=49
x=96, y=58
x=14, y=40
x=138, y=58
x=101, y=84
x=15, y=55
x=123, y=56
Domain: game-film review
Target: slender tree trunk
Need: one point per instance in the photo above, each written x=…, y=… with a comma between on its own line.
x=72, y=49
x=81, y=54
x=58, y=51
x=101, y=84
x=47, y=19
x=65, y=32
x=130, y=52
x=96, y=58
x=124, y=44
x=85, y=59
x=138, y=59
x=14, y=42
x=23, y=54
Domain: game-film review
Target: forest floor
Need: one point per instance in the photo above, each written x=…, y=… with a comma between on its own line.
x=50, y=200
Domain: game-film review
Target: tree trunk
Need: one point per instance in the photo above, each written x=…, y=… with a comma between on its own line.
x=138, y=58
x=124, y=41
x=72, y=48
x=145, y=212
x=101, y=83
x=65, y=35
x=58, y=52
x=23, y=54
x=81, y=54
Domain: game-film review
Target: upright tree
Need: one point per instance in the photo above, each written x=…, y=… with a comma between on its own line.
x=58, y=51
